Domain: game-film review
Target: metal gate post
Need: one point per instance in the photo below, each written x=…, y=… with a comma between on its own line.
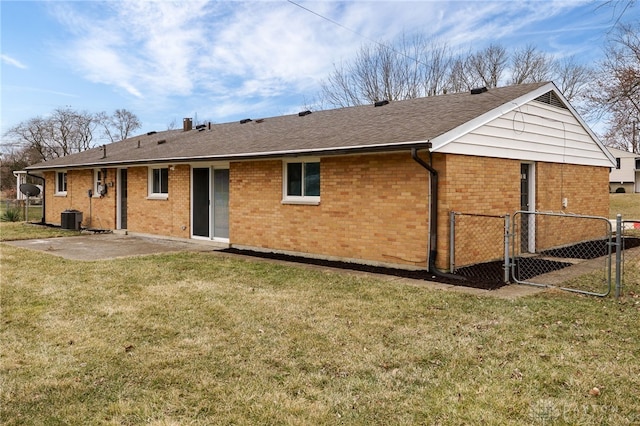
x=618, y=254
x=452, y=242
x=506, y=248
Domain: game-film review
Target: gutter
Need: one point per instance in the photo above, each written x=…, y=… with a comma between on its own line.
x=44, y=198
x=248, y=156
x=432, y=250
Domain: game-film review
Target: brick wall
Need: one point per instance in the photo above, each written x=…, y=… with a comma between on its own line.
x=478, y=185
x=372, y=207
x=159, y=216
x=97, y=212
x=491, y=186
x=586, y=189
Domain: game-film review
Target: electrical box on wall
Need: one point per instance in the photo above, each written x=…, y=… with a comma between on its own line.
x=565, y=203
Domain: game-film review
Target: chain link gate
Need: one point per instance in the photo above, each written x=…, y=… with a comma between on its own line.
x=571, y=252
x=628, y=258
x=479, y=247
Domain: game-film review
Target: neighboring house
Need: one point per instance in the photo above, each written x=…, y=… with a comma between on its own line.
x=626, y=173
x=370, y=184
x=21, y=179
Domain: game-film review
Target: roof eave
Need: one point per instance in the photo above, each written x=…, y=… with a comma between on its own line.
x=347, y=150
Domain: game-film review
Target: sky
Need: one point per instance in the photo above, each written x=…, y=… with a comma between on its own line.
x=223, y=61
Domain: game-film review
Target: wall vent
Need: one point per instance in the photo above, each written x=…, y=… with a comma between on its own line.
x=550, y=98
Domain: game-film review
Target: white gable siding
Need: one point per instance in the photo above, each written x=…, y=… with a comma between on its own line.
x=533, y=132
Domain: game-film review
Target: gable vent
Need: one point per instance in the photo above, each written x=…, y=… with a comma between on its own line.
x=552, y=99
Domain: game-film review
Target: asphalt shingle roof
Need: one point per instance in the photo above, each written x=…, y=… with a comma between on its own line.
x=395, y=125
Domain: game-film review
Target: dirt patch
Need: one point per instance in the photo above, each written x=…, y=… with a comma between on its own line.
x=478, y=276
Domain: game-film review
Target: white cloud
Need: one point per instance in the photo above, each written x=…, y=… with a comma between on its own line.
x=12, y=61
x=243, y=53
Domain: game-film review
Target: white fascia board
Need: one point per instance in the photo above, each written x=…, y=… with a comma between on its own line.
x=440, y=142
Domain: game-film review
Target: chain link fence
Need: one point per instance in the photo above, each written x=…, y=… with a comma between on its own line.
x=576, y=253
x=478, y=248
x=628, y=263
x=572, y=252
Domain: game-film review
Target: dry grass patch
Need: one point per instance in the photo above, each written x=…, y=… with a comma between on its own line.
x=198, y=338
x=628, y=205
x=11, y=231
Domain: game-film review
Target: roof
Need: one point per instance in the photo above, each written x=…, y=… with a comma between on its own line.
x=395, y=126
x=621, y=153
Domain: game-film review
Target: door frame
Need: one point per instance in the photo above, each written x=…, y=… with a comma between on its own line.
x=531, y=226
x=211, y=167
x=119, y=200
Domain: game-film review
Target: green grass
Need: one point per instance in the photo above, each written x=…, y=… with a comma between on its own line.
x=628, y=205
x=34, y=212
x=200, y=339
x=24, y=231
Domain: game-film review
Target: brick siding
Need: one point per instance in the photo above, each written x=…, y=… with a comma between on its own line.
x=373, y=207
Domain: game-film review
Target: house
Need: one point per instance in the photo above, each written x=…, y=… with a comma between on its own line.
x=625, y=176
x=371, y=184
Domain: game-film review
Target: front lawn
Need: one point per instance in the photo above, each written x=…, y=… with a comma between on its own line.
x=200, y=339
x=628, y=205
x=10, y=231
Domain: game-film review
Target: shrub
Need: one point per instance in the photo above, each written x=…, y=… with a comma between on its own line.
x=12, y=214
x=620, y=191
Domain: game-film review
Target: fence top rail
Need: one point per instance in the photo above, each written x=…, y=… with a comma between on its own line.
x=563, y=214
x=479, y=214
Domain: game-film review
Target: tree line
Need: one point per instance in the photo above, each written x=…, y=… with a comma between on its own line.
x=419, y=66
x=65, y=131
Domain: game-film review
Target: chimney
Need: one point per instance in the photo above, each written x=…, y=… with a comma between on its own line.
x=187, y=124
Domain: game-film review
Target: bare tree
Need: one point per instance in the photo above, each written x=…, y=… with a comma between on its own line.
x=119, y=125
x=419, y=66
x=529, y=65
x=616, y=93
x=488, y=65
x=572, y=79
x=412, y=68
x=64, y=132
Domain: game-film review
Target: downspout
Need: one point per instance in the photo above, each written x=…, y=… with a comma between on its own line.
x=433, y=217
x=44, y=198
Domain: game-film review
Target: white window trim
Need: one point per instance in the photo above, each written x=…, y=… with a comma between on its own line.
x=58, y=192
x=295, y=199
x=96, y=193
x=155, y=195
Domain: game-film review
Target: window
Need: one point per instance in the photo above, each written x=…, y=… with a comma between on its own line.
x=159, y=182
x=302, y=182
x=61, y=183
x=99, y=184
x=637, y=163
